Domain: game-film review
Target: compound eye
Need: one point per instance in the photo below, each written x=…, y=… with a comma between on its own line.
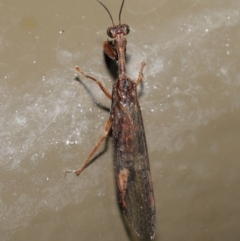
x=111, y=32
x=126, y=29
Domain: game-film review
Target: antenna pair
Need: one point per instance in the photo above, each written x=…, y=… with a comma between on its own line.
x=110, y=13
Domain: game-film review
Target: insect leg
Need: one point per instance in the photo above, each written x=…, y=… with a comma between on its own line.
x=140, y=77
x=107, y=128
x=96, y=81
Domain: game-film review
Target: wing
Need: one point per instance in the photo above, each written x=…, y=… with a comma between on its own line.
x=132, y=168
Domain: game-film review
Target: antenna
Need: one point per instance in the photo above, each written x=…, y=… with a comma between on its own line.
x=121, y=12
x=108, y=12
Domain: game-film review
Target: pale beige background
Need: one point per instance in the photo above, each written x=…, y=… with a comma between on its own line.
x=190, y=102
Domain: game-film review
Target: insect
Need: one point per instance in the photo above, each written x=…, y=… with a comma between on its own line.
x=131, y=162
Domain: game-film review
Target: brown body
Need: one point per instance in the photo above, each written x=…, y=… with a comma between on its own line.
x=131, y=163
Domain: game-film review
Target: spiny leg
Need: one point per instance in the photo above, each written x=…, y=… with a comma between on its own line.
x=140, y=77
x=96, y=81
x=107, y=129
